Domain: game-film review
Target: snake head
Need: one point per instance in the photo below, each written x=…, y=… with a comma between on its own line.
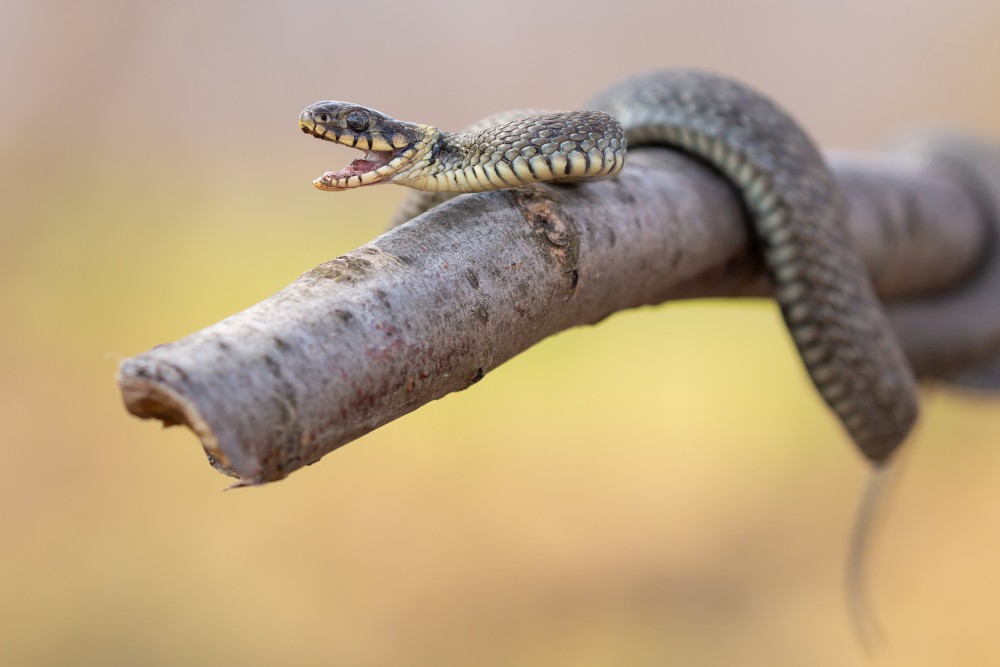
x=390, y=146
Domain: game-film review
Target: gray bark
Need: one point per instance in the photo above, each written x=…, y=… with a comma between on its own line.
x=432, y=306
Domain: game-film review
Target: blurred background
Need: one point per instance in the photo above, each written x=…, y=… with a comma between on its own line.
x=663, y=487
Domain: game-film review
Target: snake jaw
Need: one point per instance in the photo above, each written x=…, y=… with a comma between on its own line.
x=390, y=146
x=372, y=168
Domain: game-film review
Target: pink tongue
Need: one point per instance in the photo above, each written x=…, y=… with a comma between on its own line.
x=358, y=166
x=364, y=165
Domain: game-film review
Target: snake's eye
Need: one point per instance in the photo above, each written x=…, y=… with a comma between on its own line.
x=323, y=118
x=357, y=121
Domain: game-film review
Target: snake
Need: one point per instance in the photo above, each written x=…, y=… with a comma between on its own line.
x=796, y=211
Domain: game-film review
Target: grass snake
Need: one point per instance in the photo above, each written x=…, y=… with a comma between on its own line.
x=797, y=213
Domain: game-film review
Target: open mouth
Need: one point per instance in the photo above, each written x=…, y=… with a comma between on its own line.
x=374, y=166
x=372, y=161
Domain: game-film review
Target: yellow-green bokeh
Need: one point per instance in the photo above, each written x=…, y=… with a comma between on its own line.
x=662, y=488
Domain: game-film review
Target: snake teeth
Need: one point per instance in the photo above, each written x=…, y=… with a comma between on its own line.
x=370, y=162
x=361, y=171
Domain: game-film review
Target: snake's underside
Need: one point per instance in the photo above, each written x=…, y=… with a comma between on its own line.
x=823, y=289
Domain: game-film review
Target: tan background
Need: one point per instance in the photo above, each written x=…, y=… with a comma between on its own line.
x=664, y=488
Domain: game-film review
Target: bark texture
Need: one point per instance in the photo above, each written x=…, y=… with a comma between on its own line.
x=432, y=306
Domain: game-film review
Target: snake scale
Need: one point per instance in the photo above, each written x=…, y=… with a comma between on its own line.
x=825, y=295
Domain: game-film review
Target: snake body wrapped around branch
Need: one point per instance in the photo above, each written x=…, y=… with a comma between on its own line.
x=825, y=294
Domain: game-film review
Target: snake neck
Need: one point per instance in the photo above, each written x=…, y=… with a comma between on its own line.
x=525, y=150
x=446, y=154
x=455, y=162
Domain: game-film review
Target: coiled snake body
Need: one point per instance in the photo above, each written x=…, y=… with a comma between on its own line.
x=824, y=292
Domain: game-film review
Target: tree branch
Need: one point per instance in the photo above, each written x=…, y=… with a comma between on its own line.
x=432, y=306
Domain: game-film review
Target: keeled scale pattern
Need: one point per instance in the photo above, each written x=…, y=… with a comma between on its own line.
x=821, y=285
